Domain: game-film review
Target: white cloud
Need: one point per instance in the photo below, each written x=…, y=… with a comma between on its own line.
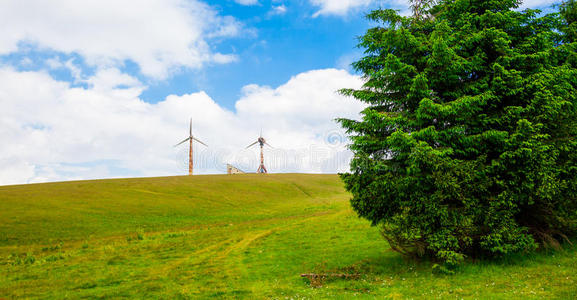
x=538, y=3
x=338, y=7
x=246, y=2
x=15, y=171
x=158, y=35
x=304, y=103
x=345, y=61
x=57, y=132
x=111, y=79
x=278, y=10
x=54, y=63
x=26, y=62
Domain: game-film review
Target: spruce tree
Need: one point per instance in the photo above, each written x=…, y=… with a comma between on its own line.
x=468, y=145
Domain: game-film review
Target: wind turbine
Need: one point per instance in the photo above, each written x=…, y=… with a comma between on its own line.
x=261, y=169
x=190, y=138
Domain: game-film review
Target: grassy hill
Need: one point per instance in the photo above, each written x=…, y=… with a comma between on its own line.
x=244, y=236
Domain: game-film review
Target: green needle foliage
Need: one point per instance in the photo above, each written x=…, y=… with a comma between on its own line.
x=468, y=145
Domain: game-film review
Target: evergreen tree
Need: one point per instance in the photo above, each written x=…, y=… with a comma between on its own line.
x=468, y=145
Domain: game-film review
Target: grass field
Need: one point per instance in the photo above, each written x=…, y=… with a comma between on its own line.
x=245, y=236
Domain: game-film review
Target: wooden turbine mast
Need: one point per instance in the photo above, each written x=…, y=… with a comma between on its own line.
x=190, y=139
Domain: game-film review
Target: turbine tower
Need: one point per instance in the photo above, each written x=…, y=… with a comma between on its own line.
x=191, y=139
x=261, y=169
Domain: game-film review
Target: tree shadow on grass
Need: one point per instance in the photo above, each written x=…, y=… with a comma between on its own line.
x=390, y=264
x=373, y=268
x=544, y=255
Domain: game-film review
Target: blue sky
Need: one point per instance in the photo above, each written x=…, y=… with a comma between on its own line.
x=105, y=88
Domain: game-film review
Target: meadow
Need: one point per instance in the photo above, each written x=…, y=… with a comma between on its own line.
x=243, y=236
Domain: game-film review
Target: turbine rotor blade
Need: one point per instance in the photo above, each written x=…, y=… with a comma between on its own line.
x=268, y=145
x=188, y=138
x=190, y=128
x=251, y=145
x=199, y=141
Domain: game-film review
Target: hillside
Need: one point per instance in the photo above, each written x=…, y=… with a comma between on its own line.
x=245, y=236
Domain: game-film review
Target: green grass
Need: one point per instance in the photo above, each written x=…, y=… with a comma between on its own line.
x=245, y=236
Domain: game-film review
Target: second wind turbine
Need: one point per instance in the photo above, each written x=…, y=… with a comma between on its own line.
x=261, y=168
x=191, y=139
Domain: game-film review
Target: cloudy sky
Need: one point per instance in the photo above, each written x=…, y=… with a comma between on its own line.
x=106, y=88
